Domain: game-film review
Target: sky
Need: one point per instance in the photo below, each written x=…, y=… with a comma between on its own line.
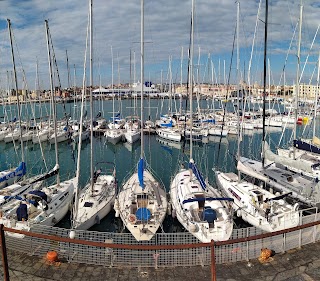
x=116, y=26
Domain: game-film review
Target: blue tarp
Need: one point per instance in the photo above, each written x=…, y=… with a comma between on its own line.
x=143, y=214
x=198, y=175
x=22, y=212
x=8, y=197
x=209, y=215
x=39, y=194
x=18, y=172
x=140, y=172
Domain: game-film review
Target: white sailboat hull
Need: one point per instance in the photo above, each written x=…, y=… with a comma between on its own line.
x=43, y=136
x=248, y=201
x=189, y=214
x=132, y=136
x=169, y=134
x=95, y=205
x=133, y=198
x=61, y=197
x=113, y=135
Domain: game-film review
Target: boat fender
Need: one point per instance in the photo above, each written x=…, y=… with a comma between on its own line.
x=117, y=213
x=296, y=207
x=174, y=213
x=169, y=210
x=116, y=208
x=239, y=213
x=132, y=218
x=193, y=228
x=97, y=219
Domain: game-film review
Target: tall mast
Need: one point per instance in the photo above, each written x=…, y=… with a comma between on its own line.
x=91, y=98
x=68, y=69
x=316, y=100
x=297, y=81
x=112, y=86
x=181, y=64
x=16, y=88
x=191, y=77
x=238, y=87
x=142, y=72
x=264, y=81
x=53, y=101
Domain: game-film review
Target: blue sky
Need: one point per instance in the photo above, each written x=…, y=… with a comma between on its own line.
x=167, y=28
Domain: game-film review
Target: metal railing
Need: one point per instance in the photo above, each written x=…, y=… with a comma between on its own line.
x=164, y=250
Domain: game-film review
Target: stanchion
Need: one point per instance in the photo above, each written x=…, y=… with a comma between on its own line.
x=213, y=262
x=4, y=255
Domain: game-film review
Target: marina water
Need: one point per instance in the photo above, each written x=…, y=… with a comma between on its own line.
x=163, y=156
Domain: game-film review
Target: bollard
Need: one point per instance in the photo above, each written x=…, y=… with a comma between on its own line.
x=213, y=262
x=4, y=255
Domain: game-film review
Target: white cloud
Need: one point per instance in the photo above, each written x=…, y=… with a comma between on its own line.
x=167, y=28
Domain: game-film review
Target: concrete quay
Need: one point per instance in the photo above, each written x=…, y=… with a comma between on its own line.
x=295, y=265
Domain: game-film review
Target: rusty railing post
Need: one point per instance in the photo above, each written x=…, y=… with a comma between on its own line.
x=4, y=255
x=213, y=262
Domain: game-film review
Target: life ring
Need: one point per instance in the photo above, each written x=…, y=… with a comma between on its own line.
x=132, y=218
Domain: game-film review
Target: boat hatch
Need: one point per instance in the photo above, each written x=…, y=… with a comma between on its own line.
x=88, y=204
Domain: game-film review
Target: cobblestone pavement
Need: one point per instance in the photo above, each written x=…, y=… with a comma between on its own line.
x=295, y=265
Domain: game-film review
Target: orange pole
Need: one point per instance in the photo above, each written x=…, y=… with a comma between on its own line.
x=213, y=262
x=4, y=254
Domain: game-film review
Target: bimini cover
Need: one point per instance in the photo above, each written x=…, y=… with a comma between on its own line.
x=143, y=214
x=140, y=172
x=209, y=215
x=22, y=212
x=40, y=194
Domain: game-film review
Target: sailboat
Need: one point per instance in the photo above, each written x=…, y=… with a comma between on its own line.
x=302, y=161
x=256, y=205
x=48, y=205
x=96, y=200
x=274, y=170
x=197, y=205
x=113, y=134
x=142, y=202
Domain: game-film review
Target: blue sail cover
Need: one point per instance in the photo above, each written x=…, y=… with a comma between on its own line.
x=198, y=175
x=300, y=144
x=17, y=173
x=140, y=172
x=167, y=125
